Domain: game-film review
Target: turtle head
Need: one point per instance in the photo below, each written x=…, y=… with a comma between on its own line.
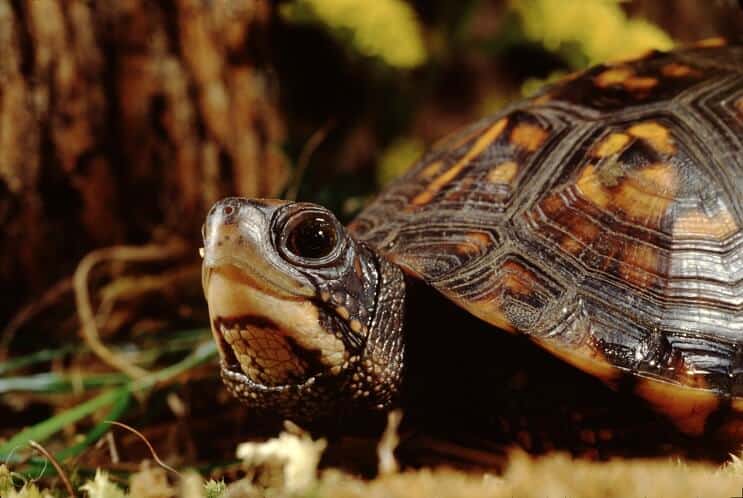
x=307, y=320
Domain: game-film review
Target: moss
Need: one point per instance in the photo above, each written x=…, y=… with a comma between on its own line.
x=102, y=487
x=556, y=475
x=6, y=480
x=214, y=489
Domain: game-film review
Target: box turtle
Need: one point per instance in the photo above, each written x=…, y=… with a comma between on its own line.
x=602, y=218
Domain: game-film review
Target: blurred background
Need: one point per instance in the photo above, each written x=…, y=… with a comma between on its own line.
x=122, y=121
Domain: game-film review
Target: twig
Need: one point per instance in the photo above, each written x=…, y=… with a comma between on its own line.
x=146, y=441
x=467, y=455
x=88, y=325
x=130, y=287
x=28, y=312
x=388, y=443
x=60, y=471
x=309, y=148
x=112, y=450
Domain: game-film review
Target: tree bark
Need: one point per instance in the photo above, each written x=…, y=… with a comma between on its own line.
x=120, y=119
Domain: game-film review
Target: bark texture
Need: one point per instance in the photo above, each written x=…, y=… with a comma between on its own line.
x=120, y=119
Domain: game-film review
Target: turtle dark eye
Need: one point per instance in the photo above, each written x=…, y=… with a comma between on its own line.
x=311, y=237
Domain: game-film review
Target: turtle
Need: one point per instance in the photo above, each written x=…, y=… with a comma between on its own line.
x=600, y=218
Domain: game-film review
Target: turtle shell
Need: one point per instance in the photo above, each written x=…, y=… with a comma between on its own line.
x=603, y=217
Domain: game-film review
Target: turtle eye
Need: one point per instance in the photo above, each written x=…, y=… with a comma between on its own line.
x=311, y=236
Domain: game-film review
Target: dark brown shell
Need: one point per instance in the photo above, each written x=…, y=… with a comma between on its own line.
x=603, y=218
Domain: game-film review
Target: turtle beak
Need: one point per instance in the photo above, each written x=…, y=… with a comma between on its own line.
x=237, y=238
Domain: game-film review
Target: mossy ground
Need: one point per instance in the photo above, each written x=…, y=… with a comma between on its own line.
x=552, y=476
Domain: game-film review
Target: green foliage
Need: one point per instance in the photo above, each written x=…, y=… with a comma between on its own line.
x=43, y=430
x=387, y=29
x=588, y=32
x=397, y=158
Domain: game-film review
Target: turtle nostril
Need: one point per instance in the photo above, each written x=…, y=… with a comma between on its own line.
x=228, y=210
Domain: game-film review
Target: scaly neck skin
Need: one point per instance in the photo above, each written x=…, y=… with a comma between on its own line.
x=383, y=358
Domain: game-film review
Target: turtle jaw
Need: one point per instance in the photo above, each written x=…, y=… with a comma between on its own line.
x=282, y=398
x=301, y=381
x=341, y=374
x=234, y=373
x=267, y=338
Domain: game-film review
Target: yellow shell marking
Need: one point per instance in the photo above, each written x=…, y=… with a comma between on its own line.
x=343, y=312
x=590, y=186
x=528, y=136
x=612, y=144
x=676, y=70
x=503, y=173
x=647, y=207
x=435, y=186
x=613, y=76
x=642, y=195
x=639, y=83
x=431, y=170
x=654, y=134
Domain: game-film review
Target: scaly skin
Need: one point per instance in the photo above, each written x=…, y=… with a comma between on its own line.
x=300, y=337
x=601, y=218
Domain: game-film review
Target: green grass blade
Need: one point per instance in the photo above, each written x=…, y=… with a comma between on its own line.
x=43, y=430
x=39, y=467
x=33, y=358
x=119, y=398
x=53, y=383
x=119, y=408
x=203, y=353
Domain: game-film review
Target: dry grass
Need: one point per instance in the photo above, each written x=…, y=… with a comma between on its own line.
x=553, y=476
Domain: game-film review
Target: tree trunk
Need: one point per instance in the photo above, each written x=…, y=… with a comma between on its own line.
x=120, y=119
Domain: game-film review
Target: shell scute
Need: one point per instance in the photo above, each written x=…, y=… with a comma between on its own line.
x=603, y=217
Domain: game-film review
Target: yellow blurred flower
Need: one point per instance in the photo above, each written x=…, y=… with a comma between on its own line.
x=599, y=29
x=387, y=29
x=533, y=85
x=397, y=158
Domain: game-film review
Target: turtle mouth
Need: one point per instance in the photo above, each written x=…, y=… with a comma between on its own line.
x=260, y=357
x=253, y=276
